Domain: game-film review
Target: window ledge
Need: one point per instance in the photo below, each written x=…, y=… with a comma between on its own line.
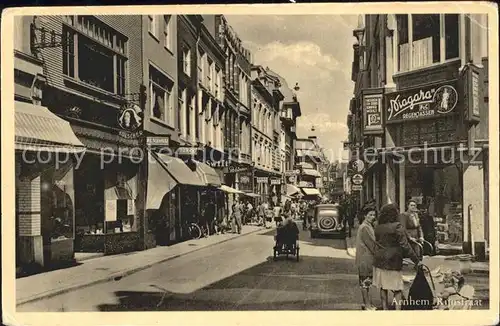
x=161, y=122
x=431, y=67
x=89, y=87
x=169, y=51
x=156, y=38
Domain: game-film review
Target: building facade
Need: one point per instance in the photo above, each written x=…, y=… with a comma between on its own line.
x=444, y=69
x=237, y=131
x=266, y=99
x=45, y=187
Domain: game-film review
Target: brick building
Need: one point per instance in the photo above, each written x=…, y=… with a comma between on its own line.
x=440, y=60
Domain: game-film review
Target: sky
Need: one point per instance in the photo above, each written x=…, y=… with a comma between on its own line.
x=315, y=51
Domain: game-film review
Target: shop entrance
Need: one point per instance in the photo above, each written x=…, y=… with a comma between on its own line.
x=437, y=189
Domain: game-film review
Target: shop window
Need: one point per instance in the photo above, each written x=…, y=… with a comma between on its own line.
x=441, y=130
x=160, y=90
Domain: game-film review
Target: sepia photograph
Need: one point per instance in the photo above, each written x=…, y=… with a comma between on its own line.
x=294, y=159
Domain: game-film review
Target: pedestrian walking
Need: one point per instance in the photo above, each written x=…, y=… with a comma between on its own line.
x=365, y=251
x=277, y=215
x=237, y=215
x=261, y=213
x=388, y=259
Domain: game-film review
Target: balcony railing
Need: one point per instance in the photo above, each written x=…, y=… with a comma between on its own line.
x=422, y=54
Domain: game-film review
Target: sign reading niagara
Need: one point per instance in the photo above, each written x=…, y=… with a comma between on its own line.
x=422, y=103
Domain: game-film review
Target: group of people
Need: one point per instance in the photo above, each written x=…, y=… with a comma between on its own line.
x=383, y=240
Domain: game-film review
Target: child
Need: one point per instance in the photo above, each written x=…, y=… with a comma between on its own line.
x=365, y=249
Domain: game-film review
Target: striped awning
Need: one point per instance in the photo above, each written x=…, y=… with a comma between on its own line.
x=291, y=190
x=311, y=172
x=230, y=190
x=36, y=128
x=311, y=191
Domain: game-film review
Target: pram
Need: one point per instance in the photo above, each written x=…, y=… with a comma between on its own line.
x=287, y=240
x=449, y=292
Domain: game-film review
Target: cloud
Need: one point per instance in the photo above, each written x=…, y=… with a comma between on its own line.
x=315, y=51
x=322, y=122
x=300, y=54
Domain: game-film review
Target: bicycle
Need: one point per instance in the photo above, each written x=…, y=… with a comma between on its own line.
x=193, y=231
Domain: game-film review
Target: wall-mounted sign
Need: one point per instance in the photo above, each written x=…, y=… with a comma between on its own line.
x=356, y=187
x=262, y=179
x=472, y=92
x=158, y=141
x=372, y=100
x=422, y=103
x=130, y=117
x=218, y=164
x=275, y=181
x=187, y=151
x=234, y=169
x=357, y=179
x=292, y=172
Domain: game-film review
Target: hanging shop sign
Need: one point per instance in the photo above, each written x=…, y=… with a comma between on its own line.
x=372, y=101
x=357, y=166
x=422, y=103
x=275, y=181
x=357, y=179
x=291, y=179
x=130, y=117
x=262, y=179
x=472, y=92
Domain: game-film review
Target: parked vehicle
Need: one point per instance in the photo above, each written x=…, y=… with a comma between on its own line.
x=327, y=221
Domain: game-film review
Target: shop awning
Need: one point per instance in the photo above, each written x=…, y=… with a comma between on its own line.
x=36, y=128
x=250, y=194
x=230, y=190
x=180, y=171
x=311, y=172
x=208, y=174
x=160, y=182
x=311, y=191
x=292, y=190
x=305, y=165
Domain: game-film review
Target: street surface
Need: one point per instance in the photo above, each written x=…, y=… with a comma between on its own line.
x=235, y=275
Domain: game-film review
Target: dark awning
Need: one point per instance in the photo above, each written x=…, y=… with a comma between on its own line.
x=208, y=174
x=36, y=128
x=180, y=171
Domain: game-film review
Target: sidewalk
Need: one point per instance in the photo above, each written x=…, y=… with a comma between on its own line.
x=107, y=268
x=447, y=262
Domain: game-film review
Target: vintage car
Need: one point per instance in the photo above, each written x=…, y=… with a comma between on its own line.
x=327, y=221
